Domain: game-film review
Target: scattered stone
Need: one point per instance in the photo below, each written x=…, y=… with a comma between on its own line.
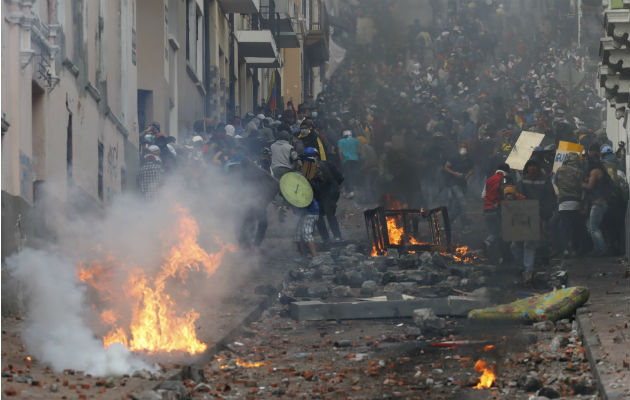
x=439, y=260
x=142, y=374
x=564, y=325
x=393, y=287
x=296, y=275
x=321, y=258
x=481, y=293
x=355, y=278
x=426, y=258
x=529, y=383
x=54, y=387
x=279, y=392
x=388, y=277
x=342, y=291
x=110, y=383
x=148, y=395
x=549, y=392
x=543, y=326
x=193, y=373
x=23, y=379
x=408, y=261
x=319, y=290
x=584, y=385
x=177, y=387
x=530, y=337
x=368, y=288
x=343, y=343
x=413, y=331
x=558, y=342
x=202, y=387
x=427, y=321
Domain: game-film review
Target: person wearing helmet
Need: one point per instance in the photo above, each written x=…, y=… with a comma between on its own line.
x=325, y=179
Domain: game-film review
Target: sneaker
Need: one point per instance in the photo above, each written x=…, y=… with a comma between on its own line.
x=337, y=239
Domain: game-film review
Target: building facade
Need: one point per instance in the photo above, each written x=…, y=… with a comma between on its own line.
x=81, y=79
x=614, y=77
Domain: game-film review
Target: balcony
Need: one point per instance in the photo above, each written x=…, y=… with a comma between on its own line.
x=258, y=44
x=279, y=17
x=240, y=6
x=617, y=25
x=317, y=43
x=263, y=62
x=615, y=55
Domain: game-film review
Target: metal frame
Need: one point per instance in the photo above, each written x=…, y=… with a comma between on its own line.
x=439, y=229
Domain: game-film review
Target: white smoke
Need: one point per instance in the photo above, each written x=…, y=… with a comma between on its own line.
x=55, y=331
x=61, y=328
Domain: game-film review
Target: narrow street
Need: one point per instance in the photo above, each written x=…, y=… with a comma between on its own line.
x=258, y=351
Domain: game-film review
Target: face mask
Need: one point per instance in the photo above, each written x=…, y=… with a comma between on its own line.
x=314, y=114
x=463, y=152
x=148, y=137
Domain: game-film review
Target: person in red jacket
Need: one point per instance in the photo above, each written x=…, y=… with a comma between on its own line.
x=492, y=196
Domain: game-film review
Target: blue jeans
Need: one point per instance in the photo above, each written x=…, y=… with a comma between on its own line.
x=524, y=254
x=594, y=226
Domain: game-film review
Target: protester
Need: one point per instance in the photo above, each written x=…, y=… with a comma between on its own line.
x=349, y=153
x=458, y=169
x=492, y=196
x=283, y=155
x=150, y=175
x=598, y=189
x=569, y=178
x=325, y=180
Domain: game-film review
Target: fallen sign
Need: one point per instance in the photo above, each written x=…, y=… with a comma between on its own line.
x=456, y=306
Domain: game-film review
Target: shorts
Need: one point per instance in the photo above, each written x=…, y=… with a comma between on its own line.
x=305, y=226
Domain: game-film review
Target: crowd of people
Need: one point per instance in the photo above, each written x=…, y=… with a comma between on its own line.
x=427, y=116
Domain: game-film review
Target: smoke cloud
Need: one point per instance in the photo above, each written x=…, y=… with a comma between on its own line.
x=55, y=331
x=63, y=328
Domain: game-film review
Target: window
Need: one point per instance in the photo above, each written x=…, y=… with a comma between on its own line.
x=101, y=150
x=194, y=37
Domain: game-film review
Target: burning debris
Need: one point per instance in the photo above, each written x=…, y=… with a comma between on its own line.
x=487, y=378
x=156, y=323
x=400, y=229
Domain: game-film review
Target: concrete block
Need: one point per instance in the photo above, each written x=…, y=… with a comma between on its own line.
x=318, y=310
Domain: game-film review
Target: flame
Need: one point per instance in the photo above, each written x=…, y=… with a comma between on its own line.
x=155, y=324
x=374, y=252
x=463, y=254
x=249, y=364
x=394, y=231
x=487, y=378
x=488, y=347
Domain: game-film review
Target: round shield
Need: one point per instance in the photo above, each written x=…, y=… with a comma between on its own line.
x=296, y=189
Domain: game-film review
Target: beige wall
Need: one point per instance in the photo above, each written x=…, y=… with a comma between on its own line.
x=35, y=147
x=292, y=76
x=150, y=55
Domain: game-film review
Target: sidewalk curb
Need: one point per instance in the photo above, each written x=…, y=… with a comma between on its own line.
x=592, y=345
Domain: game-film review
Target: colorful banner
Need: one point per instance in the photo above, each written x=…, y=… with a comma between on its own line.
x=564, y=148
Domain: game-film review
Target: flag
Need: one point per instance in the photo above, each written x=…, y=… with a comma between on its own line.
x=271, y=93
